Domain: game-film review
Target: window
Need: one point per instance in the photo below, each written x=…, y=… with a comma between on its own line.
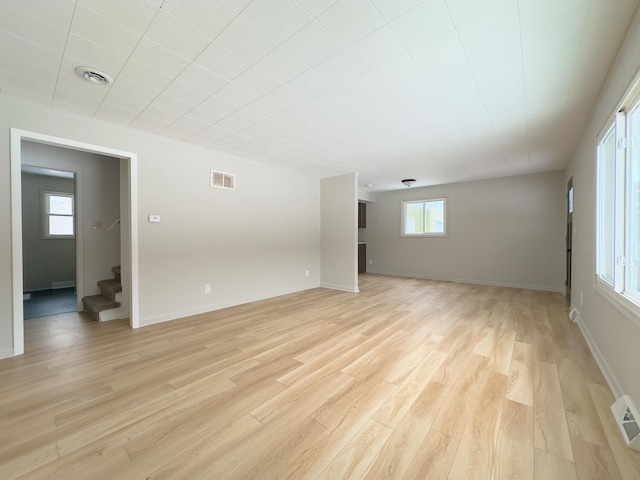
x=424, y=217
x=58, y=217
x=618, y=205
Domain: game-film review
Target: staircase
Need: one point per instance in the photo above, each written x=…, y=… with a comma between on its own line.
x=106, y=306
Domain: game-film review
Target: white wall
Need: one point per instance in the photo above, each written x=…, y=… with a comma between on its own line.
x=507, y=231
x=45, y=260
x=97, y=200
x=615, y=338
x=254, y=242
x=366, y=195
x=339, y=220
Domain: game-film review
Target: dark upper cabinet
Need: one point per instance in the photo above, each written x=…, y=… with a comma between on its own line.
x=362, y=215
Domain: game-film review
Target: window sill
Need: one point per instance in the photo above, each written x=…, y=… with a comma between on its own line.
x=58, y=237
x=625, y=306
x=424, y=235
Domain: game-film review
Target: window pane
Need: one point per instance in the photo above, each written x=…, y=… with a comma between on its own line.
x=59, y=225
x=606, y=200
x=414, y=219
x=59, y=205
x=633, y=200
x=571, y=200
x=434, y=216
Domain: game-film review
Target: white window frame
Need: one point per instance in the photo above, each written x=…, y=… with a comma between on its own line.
x=46, y=235
x=403, y=229
x=627, y=302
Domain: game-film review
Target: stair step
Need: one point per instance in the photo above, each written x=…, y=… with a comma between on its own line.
x=109, y=288
x=94, y=304
x=116, y=272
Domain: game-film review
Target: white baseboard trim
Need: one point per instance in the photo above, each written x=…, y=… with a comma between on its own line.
x=342, y=288
x=67, y=284
x=473, y=282
x=6, y=353
x=219, y=306
x=613, y=383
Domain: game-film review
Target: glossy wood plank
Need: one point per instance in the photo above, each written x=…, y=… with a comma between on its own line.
x=550, y=467
x=514, y=451
x=354, y=460
x=520, y=387
x=594, y=462
x=452, y=419
x=399, y=452
x=551, y=429
x=475, y=455
x=410, y=378
x=403, y=397
x=582, y=416
x=500, y=358
x=434, y=458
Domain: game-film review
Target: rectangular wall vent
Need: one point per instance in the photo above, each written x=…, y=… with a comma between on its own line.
x=223, y=180
x=628, y=420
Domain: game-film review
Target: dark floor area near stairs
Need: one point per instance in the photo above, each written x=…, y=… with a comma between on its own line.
x=50, y=302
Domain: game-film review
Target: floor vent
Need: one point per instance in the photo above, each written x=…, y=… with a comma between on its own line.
x=628, y=420
x=223, y=180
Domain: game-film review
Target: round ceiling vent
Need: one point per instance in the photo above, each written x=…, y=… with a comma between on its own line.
x=94, y=76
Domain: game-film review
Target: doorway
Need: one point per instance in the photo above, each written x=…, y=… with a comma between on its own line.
x=569, y=236
x=48, y=241
x=128, y=225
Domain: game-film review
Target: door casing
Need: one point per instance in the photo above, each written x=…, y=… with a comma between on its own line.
x=128, y=215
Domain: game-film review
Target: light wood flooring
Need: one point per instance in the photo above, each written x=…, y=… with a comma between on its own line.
x=408, y=379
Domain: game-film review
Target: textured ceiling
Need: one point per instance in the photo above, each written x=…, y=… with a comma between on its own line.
x=440, y=90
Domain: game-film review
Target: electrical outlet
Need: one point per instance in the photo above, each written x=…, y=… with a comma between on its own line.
x=306, y=273
x=207, y=288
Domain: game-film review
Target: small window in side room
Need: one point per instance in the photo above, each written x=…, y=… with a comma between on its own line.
x=58, y=221
x=424, y=218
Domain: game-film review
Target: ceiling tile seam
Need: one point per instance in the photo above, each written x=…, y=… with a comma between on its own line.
x=143, y=35
x=238, y=12
x=31, y=42
x=575, y=64
x=414, y=63
x=27, y=62
x=66, y=41
x=151, y=135
x=239, y=107
x=140, y=37
x=475, y=81
x=88, y=40
x=282, y=147
x=344, y=49
x=414, y=7
x=10, y=89
x=24, y=12
x=524, y=86
x=309, y=13
x=240, y=73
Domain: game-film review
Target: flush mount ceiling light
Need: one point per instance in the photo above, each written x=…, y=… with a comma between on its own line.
x=408, y=181
x=94, y=76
